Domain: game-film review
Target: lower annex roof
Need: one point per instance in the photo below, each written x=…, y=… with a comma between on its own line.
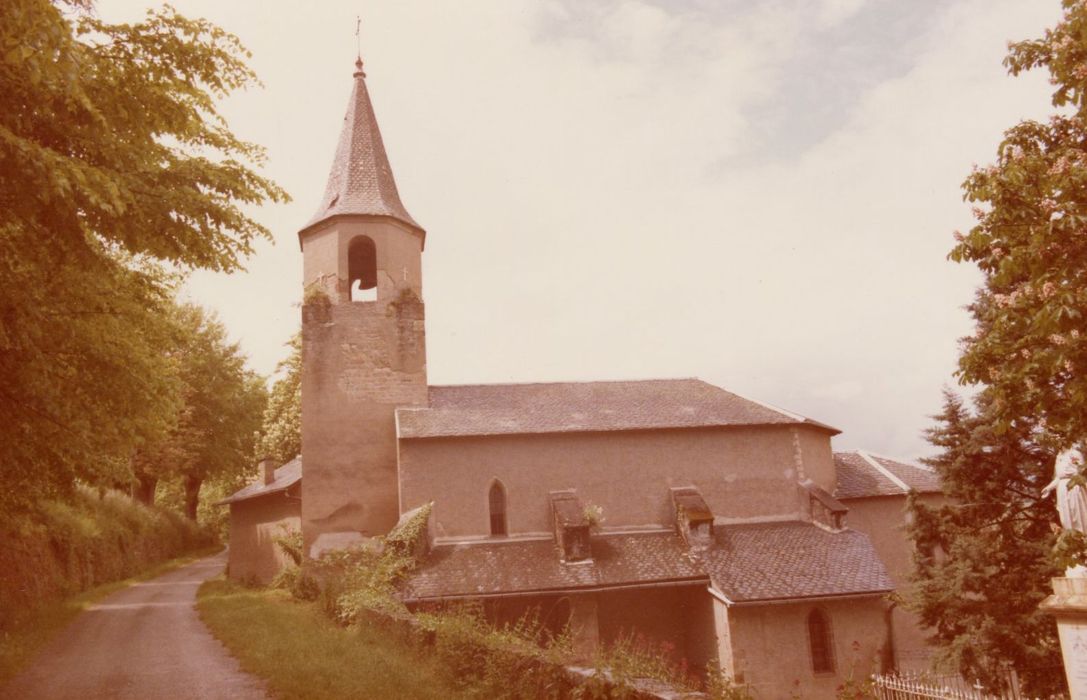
x=750, y=563
x=862, y=474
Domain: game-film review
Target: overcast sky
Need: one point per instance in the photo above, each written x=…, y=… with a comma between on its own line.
x=760, y=194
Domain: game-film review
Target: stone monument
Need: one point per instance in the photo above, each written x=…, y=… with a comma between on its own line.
x=1069, y=600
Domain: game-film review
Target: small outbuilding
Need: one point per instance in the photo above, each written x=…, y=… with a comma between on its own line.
x=261, y=513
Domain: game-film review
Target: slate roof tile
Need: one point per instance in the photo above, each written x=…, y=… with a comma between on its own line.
x=285, y=477
x=518, y=566
x=858, y=478
x=361, y=179
x=917, y=478
x=747, y=563
x=500, y=409
x=787, y=560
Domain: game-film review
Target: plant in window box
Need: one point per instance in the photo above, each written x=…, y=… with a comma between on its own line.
x=594, y=516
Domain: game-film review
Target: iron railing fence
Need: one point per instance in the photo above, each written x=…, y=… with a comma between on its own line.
x=928, y=686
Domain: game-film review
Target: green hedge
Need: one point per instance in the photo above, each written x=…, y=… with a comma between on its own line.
x=91, y=539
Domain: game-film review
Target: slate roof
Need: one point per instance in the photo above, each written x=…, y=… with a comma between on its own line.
x=858, y=477
x=788, y=560
x=285, y=477
x=361, y=179
x=506, y=409
x=917, y=478
x=519, y=566
x=747, y=563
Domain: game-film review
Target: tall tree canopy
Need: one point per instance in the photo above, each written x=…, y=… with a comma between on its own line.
x=281, y=431
x=984, y=558
x=219, y=413
x=113, y=160
x=1030, y=242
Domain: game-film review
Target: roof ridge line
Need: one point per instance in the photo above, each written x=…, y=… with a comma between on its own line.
x=788, y=414
x=883, y=470
x=908, y=463
x=575, y=381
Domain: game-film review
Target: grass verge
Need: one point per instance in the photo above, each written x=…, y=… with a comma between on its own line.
x=302, y=654
x=22, y=640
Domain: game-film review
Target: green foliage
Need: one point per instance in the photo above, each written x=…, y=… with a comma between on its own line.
x=306, y=656
x=92, y=538
x=984, y=556
x=221, y=404
x=114, y=132
x=298, y=583
x=85, y=379
x=854, y=687
x=22, y=638
x=518, y=660
x=281, y=429
x=293, y=578
x=364, y=580
x=314, y=295
x=289, y=542
x=722, y=686
x=1030, y=341
x=114, y=160
x=594, y=515
x=522, y=659
x=630, y=661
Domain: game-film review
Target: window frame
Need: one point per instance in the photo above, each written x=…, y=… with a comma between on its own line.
x=502, y=513
x=822, y=618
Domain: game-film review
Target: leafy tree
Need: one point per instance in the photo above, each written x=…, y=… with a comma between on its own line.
x=1029, y=241
x=281, y=433
x=84, y=377
x=220, y=413
x=984, y=558
x=112, y=158
x=113, y=132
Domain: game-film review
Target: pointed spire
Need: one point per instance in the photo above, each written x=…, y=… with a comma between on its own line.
x=361, y=179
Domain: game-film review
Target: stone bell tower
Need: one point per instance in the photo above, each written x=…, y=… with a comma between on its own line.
x=363, y=342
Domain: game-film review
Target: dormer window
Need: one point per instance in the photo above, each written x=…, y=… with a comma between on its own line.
x=497, y=500
x=362, y=269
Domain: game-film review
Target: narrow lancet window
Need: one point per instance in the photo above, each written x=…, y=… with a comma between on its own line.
x=497, y=500
x=822, y=646
x=362, y=269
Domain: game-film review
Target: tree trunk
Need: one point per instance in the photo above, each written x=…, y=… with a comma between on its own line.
x=144, y=490
x=192, y=495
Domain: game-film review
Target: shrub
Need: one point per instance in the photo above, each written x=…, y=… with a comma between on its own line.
x=65, y=547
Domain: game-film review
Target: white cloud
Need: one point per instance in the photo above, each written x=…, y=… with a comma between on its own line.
x=601, y=201
x=834, y=12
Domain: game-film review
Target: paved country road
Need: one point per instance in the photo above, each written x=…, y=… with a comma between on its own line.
x=144, y=642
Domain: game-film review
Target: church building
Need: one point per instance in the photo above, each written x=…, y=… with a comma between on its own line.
x=712, y=523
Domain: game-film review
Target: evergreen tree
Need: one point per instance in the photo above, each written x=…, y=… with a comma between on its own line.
x=984, y=557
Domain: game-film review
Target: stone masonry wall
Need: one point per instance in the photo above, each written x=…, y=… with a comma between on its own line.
x=359, y=362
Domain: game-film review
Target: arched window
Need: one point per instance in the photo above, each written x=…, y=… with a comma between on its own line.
x=362, y=269
x=822, y=645
x=497, y=500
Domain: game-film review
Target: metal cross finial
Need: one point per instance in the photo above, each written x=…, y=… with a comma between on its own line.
x=359, y=73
